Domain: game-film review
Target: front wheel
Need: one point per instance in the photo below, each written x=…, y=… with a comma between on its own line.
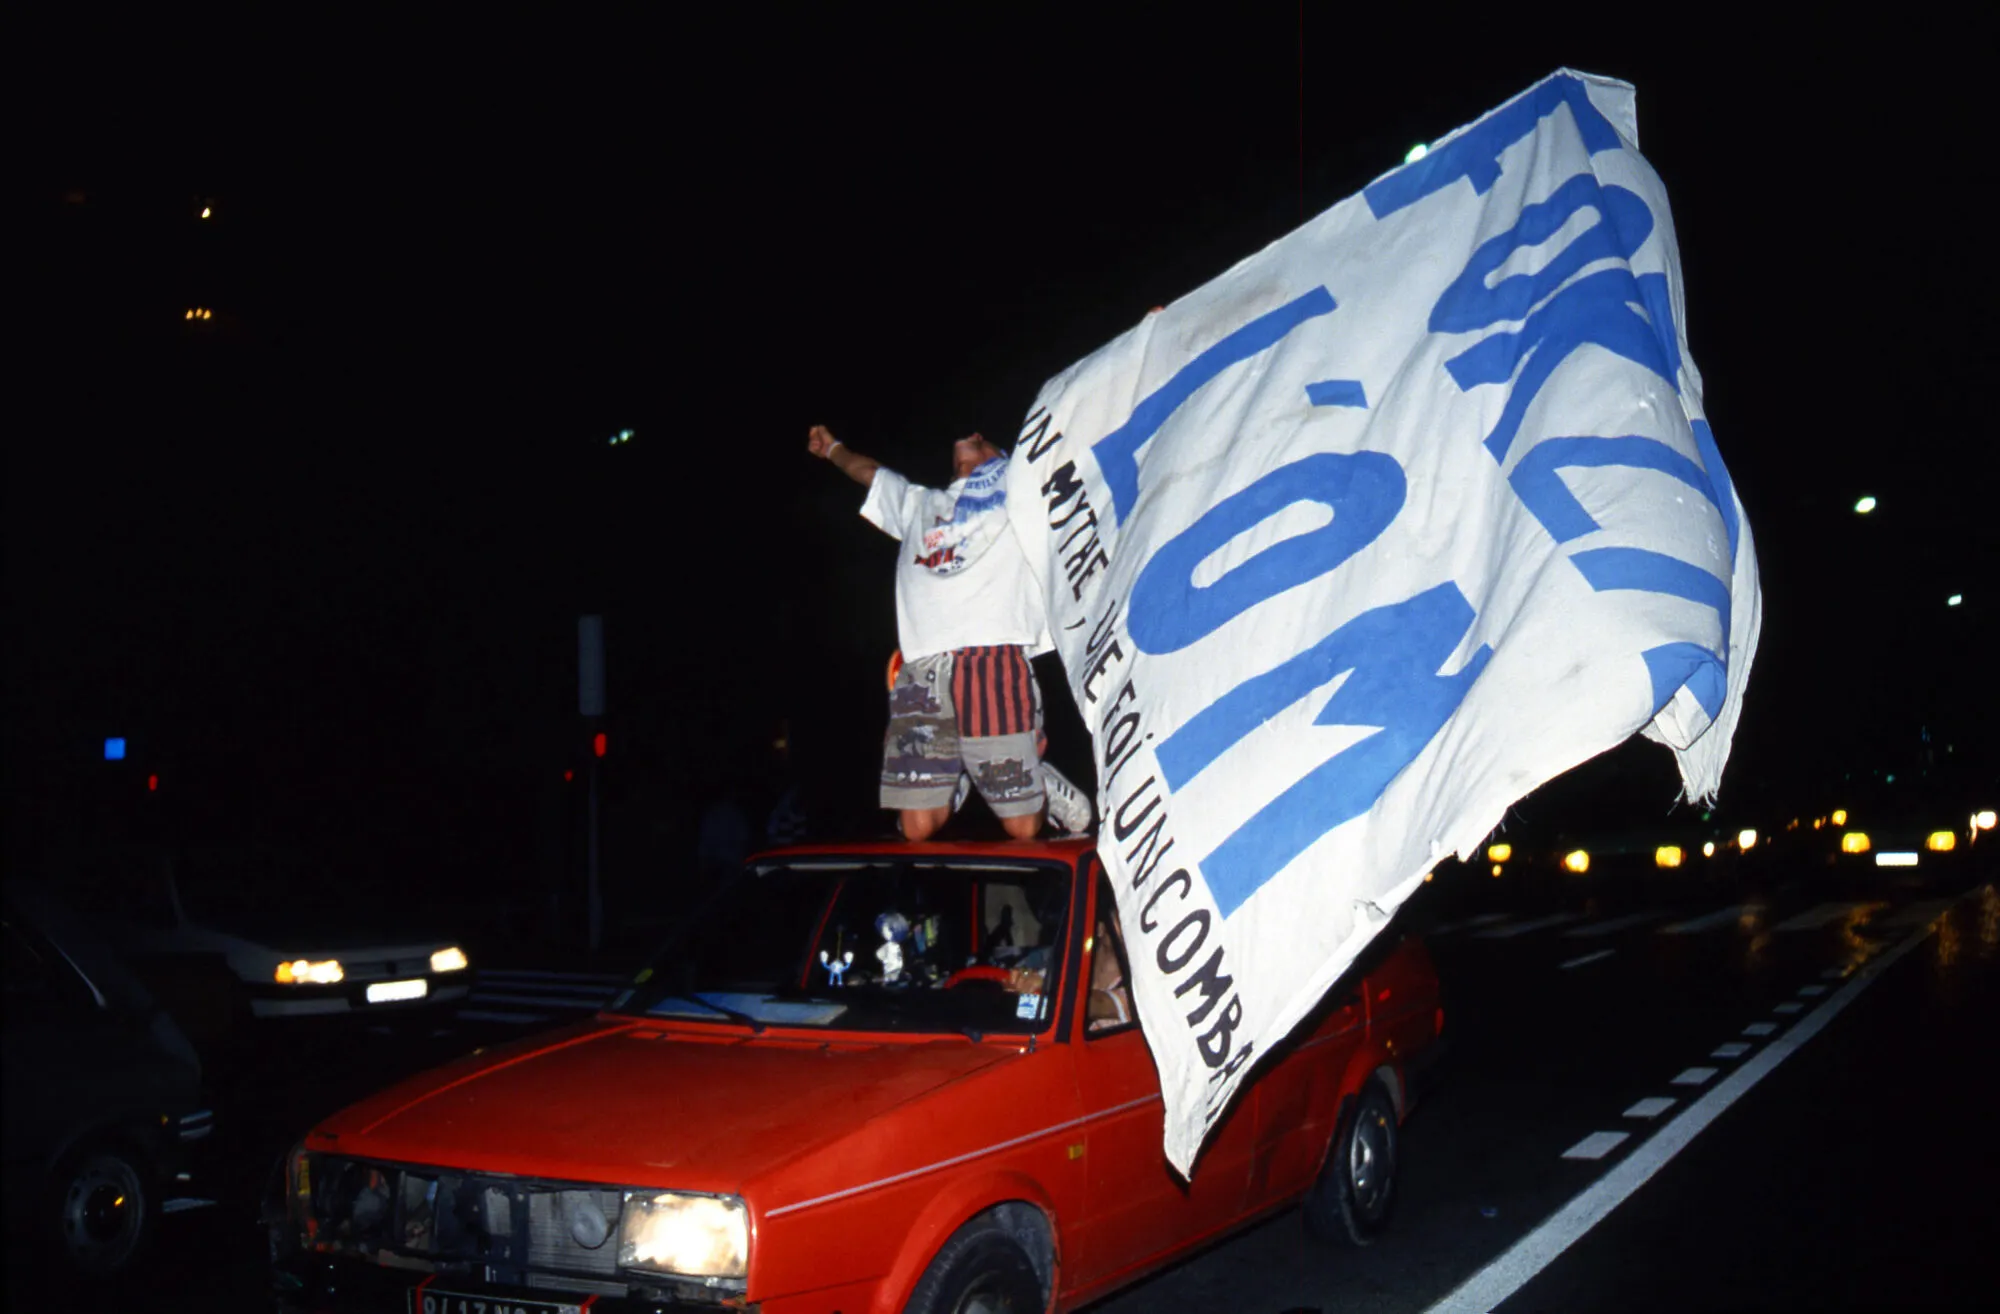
x=981, y=1270
x=103, y=1208
x=1349, y=1203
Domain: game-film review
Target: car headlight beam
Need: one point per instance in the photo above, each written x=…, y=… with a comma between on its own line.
x=684, y=1235
x=448, y=960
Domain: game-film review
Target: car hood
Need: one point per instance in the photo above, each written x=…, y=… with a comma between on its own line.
x=709, y=1109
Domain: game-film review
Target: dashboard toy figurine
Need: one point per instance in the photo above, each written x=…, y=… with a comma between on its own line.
x=836, y=968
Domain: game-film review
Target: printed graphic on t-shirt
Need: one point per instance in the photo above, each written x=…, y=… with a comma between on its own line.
x=977, y=517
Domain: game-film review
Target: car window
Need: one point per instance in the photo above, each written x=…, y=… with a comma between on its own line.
x=870, y=944
x=1108, y=1007
x=130, y=887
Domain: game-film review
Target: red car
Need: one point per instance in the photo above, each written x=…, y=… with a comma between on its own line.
x=872, y=1078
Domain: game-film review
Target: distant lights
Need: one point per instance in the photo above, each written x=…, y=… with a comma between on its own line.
x=1840, y=816
x=207, y=211
x=1500, y=852
x=1954, y=600
x=1415, y=153
x=1864, y=506
x=1498, y=870
x=622, y=437
x=1577, y=860
x=114, y=751
x=1708, y=849
x=1746, y=839
x=199, y=312
x=1983, y=820
x=1667, y=855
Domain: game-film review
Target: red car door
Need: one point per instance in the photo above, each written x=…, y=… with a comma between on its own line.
x=1298, y=1098
x=1135, y=1208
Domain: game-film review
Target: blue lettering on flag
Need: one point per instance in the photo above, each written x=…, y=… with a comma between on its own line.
x=1597, y=308
x=1544, y=493
x=1394, y=653
x=1364, y=490
x=1475, y=153
x=1337, y=392
x=1117, y=453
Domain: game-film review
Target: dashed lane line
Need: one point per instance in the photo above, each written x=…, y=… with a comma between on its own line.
x=1650, y=1107
x=1790, y=1006
x=1693, y=1076
x=1588, y=958
x=1760, y=1028
x=1522, y=928
x=1694, y=925
x=1735, y=1049
x=1612, y=927
x=1596, y=1145
x=1812, y=991
x=1516, y=1266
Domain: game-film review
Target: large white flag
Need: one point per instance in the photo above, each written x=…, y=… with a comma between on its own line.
x=1364, y=540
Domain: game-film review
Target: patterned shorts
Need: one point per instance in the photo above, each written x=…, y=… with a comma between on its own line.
x=977, y=710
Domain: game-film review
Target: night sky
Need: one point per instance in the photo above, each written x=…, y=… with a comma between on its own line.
x=320, y=556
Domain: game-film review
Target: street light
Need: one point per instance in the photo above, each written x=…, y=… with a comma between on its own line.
x=1864, y=506
x=1415, y=153
x=1954, y=600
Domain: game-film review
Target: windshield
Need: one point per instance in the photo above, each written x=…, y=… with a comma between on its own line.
x=869, y=944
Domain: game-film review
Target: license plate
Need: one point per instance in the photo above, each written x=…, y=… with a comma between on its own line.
x=451, y=1302
x=384, y=992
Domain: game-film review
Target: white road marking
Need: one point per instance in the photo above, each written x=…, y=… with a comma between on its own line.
x=1694, y=1076
x=1825, y=914
x=1484, y=919
x=1613, y=926
x=1789, y=1006
x=1522, y=928
x=1596, y=1145
x=1720, y=917
x=1760, y=1028
x=1734, y=1049
x=1650, y=1107
x=1812, y=992
x=1534, y=1252
x=1588, y=958
x=1920, y=914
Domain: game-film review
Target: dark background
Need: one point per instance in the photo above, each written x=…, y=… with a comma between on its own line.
x=319, y=558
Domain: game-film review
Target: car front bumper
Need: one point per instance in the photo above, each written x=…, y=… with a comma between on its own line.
x=323, y=1284
x=351, y=998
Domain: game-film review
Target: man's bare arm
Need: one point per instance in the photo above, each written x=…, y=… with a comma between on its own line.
x=861, y=469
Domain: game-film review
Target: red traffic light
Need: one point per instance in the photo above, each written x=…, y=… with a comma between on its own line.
x=152, y=784
x=597, y=743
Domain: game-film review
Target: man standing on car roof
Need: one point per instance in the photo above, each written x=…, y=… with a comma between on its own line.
x=968, y=618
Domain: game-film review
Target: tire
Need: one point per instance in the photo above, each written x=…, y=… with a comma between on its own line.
x=1349, y=1202
x=101, y=1208
x=982, y=1269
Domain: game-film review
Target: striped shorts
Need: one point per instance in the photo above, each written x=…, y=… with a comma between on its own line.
x=977, y=710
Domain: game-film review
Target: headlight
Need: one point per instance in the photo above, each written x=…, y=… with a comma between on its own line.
x=1854, y=841
x=696, y=1236
x=1941, y=841
x=301, y=972
x=1667, y=855
x=1577, y=861
x=448, y=960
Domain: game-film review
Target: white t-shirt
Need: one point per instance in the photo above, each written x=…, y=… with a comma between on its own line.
x=961, y=578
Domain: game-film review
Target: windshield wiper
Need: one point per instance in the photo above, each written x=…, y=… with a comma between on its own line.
x=734, y=1015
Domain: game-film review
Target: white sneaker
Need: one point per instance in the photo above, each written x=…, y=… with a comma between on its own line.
x=1069, y=807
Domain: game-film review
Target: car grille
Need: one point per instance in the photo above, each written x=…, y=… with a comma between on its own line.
x=504, y=1229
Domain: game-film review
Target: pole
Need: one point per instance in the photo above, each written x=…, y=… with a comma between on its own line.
x=595, y=900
